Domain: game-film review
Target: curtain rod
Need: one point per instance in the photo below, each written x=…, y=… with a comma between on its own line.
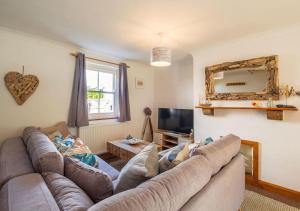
x=99, y=60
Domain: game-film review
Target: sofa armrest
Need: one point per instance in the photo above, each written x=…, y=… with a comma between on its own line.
x=28, y=192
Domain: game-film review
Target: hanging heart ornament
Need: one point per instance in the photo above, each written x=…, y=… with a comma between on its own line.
x=20, y=86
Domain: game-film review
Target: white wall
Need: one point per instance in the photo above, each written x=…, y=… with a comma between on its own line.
x=53, y=65
x=173, y=86
x=280, y=145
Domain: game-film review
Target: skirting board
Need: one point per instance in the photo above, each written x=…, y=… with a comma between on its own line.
x=275, y=189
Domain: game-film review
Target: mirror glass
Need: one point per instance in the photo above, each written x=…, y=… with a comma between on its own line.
x=241, y=80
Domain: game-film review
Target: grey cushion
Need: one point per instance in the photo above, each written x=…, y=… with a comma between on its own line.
x=67, y=194
x=14, y=160
x=44, y=155
x=27, y=193
x=140, y=168
x=220, y=152
x=97, y=184
x=103, y=166
x=168, y=191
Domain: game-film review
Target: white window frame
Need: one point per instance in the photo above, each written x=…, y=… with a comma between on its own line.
x=93, y=66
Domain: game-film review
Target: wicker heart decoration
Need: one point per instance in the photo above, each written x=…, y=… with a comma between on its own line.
x=20, y=86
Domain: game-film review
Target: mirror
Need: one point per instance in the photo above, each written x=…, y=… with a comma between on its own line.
x=254, y=79
x=241, y=80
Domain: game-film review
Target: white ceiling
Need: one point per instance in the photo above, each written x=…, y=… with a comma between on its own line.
x=128, y=28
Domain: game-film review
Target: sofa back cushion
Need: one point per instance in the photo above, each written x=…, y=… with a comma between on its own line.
x=27, y=133
x=167, y=191
x=96, y=183
x=27, y=193
x=44, y=155
x=220, y=152
x=14, y=160
x=68, y=196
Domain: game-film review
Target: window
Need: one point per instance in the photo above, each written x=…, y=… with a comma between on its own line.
x=102, y=94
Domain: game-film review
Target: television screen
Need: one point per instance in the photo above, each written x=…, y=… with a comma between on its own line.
x=176, y=120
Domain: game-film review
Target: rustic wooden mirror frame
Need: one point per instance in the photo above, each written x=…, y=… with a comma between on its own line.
x=272, y=89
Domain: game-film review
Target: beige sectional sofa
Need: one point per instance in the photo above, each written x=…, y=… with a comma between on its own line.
x=212, y=179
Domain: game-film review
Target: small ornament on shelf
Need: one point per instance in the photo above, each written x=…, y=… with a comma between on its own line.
x=204, y=101
x=256, y=104
x=287, y=92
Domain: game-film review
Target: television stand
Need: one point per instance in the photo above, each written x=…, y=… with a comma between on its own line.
x=169, y=139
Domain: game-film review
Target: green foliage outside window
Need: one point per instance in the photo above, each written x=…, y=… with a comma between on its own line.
x=94, y=94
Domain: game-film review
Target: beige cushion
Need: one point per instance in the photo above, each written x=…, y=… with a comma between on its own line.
x=220, y=152
x=61, y=127
x=68, y=195
x=140, y=168
x=27, y=193
x=182, y=155
x=168, y=191
x=44, y=155
x=173, y=157
x=96, y=183
x=14, y=160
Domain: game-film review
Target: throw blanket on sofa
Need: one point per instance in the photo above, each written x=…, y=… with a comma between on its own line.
x=76, y=148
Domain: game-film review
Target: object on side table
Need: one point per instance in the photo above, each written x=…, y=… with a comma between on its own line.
x=134, y=141
x=129, y=137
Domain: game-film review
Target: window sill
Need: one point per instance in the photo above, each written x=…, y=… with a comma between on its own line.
x=104, y=118
x=104, y=121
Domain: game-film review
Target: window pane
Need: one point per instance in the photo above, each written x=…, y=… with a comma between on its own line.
x=91, y=79
x=93, y=106
x=107, y=103
x=106, y=81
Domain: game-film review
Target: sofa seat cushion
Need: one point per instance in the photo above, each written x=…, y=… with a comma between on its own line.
x=139, y=169
x=67, y=194
x=14, y=160
x=167, y=191
x=27, y=193
x=44, y=155
x=96, y=183
x=111, y=171
x=220, y=152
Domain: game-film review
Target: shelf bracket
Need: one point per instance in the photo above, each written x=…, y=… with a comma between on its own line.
x=274, y=115
x=208, y=111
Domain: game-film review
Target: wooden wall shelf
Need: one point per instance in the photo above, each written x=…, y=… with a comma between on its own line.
x=272, y=113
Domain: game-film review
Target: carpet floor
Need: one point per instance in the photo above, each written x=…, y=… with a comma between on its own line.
x=256, y=202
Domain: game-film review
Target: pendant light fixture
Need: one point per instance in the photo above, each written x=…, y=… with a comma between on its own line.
x=160, y=55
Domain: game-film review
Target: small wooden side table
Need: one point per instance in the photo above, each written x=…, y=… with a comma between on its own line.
x=124, y=150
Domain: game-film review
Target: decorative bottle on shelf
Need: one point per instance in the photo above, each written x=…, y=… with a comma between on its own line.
x=270, y=103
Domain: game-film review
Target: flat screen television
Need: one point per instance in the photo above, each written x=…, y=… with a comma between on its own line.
x=176, y=120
